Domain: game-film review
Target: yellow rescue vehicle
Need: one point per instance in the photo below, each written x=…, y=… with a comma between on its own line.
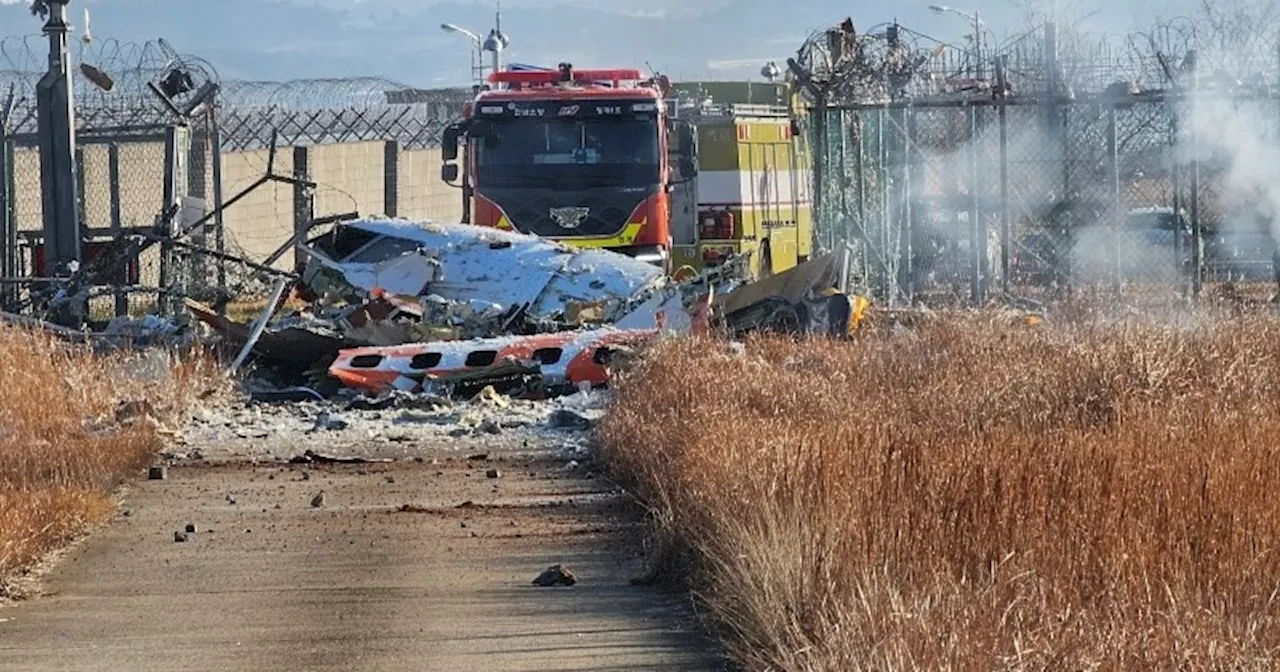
x=752, y=190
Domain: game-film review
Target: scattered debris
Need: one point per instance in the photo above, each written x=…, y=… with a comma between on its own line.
x=180, y=537
x=556, y=575
x=328, y=423
x=157, y=473
x=287, y=395
x=562, y=418
x=318, y=501
x=191, y=528
x=526, y=366
x=312, y=457
x=493, y=473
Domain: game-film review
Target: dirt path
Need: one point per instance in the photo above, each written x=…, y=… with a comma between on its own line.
x=269, y=582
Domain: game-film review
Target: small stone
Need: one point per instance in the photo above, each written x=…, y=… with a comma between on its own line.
x=318, y=500
x=565, y=419
x=158, y=473
x=127, y=513
x=555, y=575
x=489, y=427
x=191, y=528
x=180, y=537
x=391, y=480
x=493, y=473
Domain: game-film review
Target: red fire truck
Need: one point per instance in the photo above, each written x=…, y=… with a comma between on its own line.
x=580, y=156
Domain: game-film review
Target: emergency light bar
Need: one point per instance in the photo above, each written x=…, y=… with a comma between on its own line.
x=547, y=77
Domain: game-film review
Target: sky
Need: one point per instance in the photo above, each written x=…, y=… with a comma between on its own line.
x=288, y=39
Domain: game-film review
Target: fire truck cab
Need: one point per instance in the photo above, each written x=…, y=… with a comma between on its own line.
x=578, y=156
x=604, y=158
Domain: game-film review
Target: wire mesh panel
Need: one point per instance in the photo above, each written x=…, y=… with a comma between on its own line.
x=967, y=198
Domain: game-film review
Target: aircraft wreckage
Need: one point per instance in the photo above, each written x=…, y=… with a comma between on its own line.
x=396, y=304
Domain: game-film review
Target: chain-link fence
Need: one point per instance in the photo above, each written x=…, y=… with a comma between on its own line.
x=971, y=197
x=152, y=160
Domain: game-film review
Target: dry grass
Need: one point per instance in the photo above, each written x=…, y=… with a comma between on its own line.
x=972, y=495
x=61, y=451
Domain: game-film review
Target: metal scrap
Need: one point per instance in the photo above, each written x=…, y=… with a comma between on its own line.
x=450, y=309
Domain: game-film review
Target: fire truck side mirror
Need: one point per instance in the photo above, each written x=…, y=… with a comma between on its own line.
x=449, y=142
x=449, y=172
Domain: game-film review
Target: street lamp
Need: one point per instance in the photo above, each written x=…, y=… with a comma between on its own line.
x=977, y=31
x=497, y=40
x=477, y=60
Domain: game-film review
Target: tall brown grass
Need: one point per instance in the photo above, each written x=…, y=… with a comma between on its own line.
x=973, y=495
x=61, y=450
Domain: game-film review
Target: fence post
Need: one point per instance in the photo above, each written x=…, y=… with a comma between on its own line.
x=1113, y=186
x=977, y=225
x=197, y=180
x=820, y=154
x=391, y=178
x=219, y=225
x=175, y=185
x=80, y=199
x=8, y=222
x=906, y=266
x=303, y=204
x=1197, y=226
x=117, y=223
x=882, y=209
x=1006, y=226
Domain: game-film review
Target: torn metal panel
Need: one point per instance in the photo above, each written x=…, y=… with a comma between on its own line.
x=294, y=345
x=468, y=264
x=790, y=287
x=561, y=361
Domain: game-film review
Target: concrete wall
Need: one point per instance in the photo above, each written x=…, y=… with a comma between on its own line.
x=421, y=193
x=350, y=177
x=261, y=221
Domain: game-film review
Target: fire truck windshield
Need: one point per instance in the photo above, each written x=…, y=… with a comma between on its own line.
x=576, y=153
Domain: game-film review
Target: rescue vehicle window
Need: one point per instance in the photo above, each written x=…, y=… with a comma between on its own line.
x=575, y=142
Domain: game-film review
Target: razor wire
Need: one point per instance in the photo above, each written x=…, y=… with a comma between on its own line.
x=323, y=111
x=111, y=81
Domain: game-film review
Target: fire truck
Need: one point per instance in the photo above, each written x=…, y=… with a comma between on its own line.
x=610, y=159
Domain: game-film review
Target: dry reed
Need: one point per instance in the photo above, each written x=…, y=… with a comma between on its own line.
x=61, y=450
x=969, y=494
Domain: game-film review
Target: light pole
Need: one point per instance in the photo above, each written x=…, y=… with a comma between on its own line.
x=497, y=40
x=477, y=60
x=977, y=32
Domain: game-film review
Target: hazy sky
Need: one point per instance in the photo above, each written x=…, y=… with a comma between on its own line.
x=403, y=40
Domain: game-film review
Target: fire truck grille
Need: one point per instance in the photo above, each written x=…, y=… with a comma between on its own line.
x=604, y=215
